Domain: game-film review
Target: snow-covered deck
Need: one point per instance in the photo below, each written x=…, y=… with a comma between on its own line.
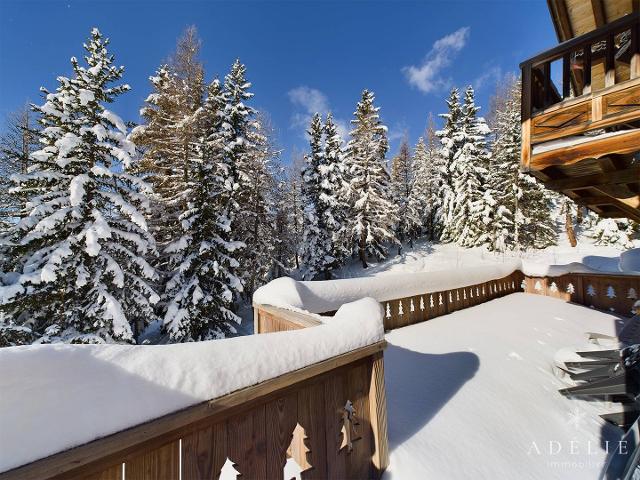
x=472, y=394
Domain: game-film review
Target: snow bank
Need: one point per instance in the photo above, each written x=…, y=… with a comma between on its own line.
x=473, y=394
x=58, y=396
x=630, y=261
x=533, y=269
x=329, y=295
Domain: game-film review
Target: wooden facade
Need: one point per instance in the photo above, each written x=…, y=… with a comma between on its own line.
x=330, y=418
x=581, y=106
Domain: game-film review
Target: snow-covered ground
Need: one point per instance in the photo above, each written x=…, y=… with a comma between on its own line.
x=473, y=395
x=428, y=257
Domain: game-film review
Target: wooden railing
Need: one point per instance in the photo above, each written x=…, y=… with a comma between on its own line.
x=403, y=311
x=595, y=93
x=608, y=292
x=330, y=418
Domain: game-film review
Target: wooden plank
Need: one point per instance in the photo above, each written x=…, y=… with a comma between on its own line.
x=378, y=415
x=159, y=464
x=287, y=318
x=598, y=13
x=111, y=473
x=105, y=452
x=359, y=460
x=628, y=175
x=634, y=66
x=335, y=391
x=610, y=62
x=281, y=420
x=246, y=443
x=204, y=452
x=311, y=416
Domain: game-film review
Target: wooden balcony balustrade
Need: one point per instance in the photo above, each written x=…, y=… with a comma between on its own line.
x=583, y=137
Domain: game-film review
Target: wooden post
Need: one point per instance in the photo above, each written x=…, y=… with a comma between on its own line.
x=566, y=76
x=378, y=415
x=586, y=55
x=546, y=72
x=610, y=62
x=635, y=52
x=526, y=117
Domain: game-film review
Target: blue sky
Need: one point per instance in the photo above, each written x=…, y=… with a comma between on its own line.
x=301, y=56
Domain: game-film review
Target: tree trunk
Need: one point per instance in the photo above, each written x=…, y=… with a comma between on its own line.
x=362, y=249
x=571, y=234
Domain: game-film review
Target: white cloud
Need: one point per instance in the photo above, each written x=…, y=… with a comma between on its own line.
x=309, y=101
x=427, y=77
x=489, y=78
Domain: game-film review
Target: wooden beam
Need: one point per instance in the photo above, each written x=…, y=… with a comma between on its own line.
x=599, y=14
x=610, y=62
x=628, y=175
x=623, y=143
x=561, y=21
x=628, y=206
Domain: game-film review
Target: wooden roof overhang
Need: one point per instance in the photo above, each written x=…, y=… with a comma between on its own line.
x=600, y=92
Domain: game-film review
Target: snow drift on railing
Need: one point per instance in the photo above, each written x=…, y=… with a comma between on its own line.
x=55, y=397
x=328, y=295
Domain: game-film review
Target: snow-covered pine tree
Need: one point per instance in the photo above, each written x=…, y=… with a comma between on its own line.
x=614, y=232
x=521, y=214
x=451, y=139
x=200, y=291
x=334, y=192
x=161, y=137
x=317, y=243
x=466, y=202
x=371, y=210
x=83, y=238
x=402, y=187
x=256, y=227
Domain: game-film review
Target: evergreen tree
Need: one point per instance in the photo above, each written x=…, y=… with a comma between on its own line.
x=371, y=210
x=451, y=140
x=200, y=291
x=466, y=202
x=257, y=224
x=317, y=245
x=82, y=237
x=334, y=192
x=521, y=215
x=402, y=185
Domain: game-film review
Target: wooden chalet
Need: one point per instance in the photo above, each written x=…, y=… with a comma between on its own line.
x=581, y=106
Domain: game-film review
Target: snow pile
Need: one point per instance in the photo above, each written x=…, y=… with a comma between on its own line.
x=58, y=396
x=575, y=140
x=472, y=394
x=329, y=295
x=630, y=261
x=534, y=269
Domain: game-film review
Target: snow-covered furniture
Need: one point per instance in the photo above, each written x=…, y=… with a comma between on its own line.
x=311, y=400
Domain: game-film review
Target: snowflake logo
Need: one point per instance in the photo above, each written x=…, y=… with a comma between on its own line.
x=576, y=417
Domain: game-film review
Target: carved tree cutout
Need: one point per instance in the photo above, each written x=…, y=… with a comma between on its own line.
x=553, y=287
x=464, y=294
x=388, y=310
x=571, y=289
x=537, y=286
x=513, y=285
x=523, y=285
x=411, y=307
x=591, y=291
x=471, y=292
x=483, y=290
x=349, y=424
x=611, y=292
x=478, y=291
x=440, y=302
x=457, y=295
x=400, y=309
x=299, y=450
x=431, y=304
x=450, y=297
x=421, y=303
x=228, y=471
x=632, y=294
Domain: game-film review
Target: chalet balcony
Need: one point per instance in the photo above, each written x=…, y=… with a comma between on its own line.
x=581, y=118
